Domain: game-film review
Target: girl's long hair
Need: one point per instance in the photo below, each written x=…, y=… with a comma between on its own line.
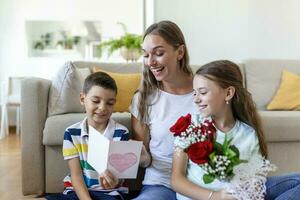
x=172, y=34
x=227, y=73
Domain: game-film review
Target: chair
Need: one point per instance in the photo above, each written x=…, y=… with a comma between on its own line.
x=4, y=128
x=10, y=97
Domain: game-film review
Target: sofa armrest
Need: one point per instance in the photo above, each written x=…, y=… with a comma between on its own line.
x=34, y=101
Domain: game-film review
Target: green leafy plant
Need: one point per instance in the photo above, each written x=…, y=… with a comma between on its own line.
x=68, y=41
x=221, y=162
x=44, y=42
x=128, y=40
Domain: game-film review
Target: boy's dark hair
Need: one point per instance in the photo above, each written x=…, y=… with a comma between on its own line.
x=100, y=79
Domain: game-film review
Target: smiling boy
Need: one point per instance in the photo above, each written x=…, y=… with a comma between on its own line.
x=98, y=97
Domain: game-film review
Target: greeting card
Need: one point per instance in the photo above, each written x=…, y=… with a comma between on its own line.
x=119, y=157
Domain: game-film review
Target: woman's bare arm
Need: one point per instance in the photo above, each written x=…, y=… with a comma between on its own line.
x=141, y=133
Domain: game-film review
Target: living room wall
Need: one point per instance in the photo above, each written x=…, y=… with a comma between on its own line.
x=14, y=60
x=234, y=29
x=214, y=29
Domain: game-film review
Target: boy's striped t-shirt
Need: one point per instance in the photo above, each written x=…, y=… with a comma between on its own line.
x=75, y=145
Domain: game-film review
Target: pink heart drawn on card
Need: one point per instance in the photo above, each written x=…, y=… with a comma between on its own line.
x=122, y=162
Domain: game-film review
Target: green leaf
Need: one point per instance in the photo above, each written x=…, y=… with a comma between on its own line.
x=229, y=170
x=235, y=149
x=236, y=161
x=226, y=143
x=218, y=148
x=230, y=154
x=208, y=178
x=211, y=158
x=241, y=161
x=230, y=176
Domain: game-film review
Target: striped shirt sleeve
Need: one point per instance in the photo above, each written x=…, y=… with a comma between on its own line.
x=121, y=133
x=69, y=148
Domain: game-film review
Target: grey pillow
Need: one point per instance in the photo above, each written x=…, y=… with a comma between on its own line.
x=65, y=90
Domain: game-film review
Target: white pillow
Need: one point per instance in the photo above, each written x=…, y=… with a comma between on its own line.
x=83, y=73
x=65, y=90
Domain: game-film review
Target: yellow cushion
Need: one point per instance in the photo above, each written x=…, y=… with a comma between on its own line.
x=288, y=94
x=127, y=85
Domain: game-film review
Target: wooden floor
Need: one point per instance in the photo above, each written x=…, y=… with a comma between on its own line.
x=10, y=169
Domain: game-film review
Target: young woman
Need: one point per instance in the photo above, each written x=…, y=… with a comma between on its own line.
x=165, y=94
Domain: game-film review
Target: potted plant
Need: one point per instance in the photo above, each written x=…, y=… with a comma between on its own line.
x=129, y=45
x=44, y=42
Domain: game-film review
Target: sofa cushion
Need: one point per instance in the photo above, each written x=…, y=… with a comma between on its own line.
x=56, y=125
x=65, y=90
x=83, y=73
x=133, y=67
x=127, y=85
x=281, y=126
x=263, y=78
x=67, y=85
x=288, y=94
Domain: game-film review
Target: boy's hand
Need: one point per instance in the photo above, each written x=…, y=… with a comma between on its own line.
x=108, y=180
x=145, y=159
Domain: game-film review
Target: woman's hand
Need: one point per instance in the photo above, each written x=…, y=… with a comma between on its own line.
x=145, y=159
x=108, y=180
x=222, y=195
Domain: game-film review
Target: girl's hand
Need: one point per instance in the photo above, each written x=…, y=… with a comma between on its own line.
x=222, y=195
x=108, y=180
x=145, y=159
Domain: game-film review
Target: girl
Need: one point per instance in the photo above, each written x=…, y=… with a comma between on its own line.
x=219, y=94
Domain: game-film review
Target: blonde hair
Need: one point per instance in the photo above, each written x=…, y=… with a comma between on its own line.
x=227, y=73
x=172, y=34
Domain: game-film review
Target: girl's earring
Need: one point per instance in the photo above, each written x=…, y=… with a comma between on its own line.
x=227, y=102
x=178, y=63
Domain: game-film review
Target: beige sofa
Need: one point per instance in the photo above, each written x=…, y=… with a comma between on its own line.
x=43, y=167
x=282, y=128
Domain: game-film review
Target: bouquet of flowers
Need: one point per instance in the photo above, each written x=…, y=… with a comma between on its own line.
x=199, y=142
x=245, y=180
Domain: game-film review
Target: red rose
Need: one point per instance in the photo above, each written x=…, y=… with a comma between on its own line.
x=181, y=125
x=199, y=152
x=209, y=128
